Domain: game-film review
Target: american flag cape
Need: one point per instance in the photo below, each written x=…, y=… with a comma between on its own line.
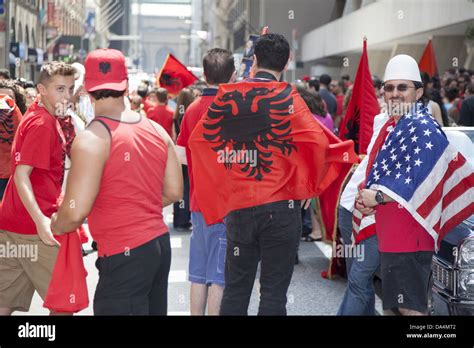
x=424, y=173
x=363, y=226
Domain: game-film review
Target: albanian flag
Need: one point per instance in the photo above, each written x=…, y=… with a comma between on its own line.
x=329, y=198
x=67, y=291
x=363, y=107
x=174, y=76
x=259, y=143
x=428, y=60
x=326, y=206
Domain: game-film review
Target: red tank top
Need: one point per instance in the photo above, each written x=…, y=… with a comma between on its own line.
x=127, y=212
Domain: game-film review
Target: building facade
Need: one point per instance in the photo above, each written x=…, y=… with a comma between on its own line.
x=161, y=27
x=230, y=22
x=34, y=30
x=22, y=43
x=392, y=27
x=326, y=36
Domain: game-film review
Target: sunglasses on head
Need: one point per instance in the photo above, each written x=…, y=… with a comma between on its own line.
x=402, y=87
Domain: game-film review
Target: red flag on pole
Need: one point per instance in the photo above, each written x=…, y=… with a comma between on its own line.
x=174, y=76
x=363, y=107
x=327, y=206
x=428, y=60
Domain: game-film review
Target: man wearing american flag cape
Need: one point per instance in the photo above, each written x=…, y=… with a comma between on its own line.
x=418, y=186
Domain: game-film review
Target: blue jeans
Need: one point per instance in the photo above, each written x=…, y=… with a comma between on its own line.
x=207, y=252
x=359, y=298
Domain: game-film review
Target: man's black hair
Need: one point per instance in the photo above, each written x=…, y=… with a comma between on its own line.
x=142, y=91
x=107, y=93
x=377, y=82
x=314, y=83
x=325, y=79
x=272, y=52
x=418, y=84
x=29, y=84
x=425, y=77
x=451, y=93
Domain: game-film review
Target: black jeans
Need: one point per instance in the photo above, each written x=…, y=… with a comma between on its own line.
x=181, y=213
x=268, y=233
x=3, y=186
x=135, y=283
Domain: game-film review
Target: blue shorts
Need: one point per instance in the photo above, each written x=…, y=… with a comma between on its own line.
x=207, y=252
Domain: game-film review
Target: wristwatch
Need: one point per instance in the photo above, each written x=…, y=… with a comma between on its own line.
x=379, y=198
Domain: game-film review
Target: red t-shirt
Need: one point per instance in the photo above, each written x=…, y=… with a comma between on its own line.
x=399, y=232
x=191, y=117
x=39, y=143
x=146, y=104
x=163, y=115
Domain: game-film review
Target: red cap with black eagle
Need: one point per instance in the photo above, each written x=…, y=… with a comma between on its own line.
x=105, y=69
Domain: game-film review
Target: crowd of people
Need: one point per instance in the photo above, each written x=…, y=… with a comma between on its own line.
x=117, y=157
x=447, y=97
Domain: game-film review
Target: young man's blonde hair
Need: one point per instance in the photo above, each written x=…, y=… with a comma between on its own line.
x=50, y=69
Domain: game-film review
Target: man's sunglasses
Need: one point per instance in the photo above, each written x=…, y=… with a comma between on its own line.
x=402, y=87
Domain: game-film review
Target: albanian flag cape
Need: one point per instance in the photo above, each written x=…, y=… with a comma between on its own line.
x=327, y=204
x=174, y=76
x=259, y=143
x=363, y=106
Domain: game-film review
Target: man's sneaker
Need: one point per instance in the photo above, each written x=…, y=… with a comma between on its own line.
x=86, y=252
x=184, y=228
x=305, y=231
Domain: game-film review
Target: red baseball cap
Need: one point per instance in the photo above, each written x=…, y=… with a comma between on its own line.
x=105, y=69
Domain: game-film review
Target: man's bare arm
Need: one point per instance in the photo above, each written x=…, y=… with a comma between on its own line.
x=173, y=185
x=24, y=188
x=89, y=154
x=173, y=181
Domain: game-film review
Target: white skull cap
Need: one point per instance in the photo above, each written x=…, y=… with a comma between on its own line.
x=402, y=67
